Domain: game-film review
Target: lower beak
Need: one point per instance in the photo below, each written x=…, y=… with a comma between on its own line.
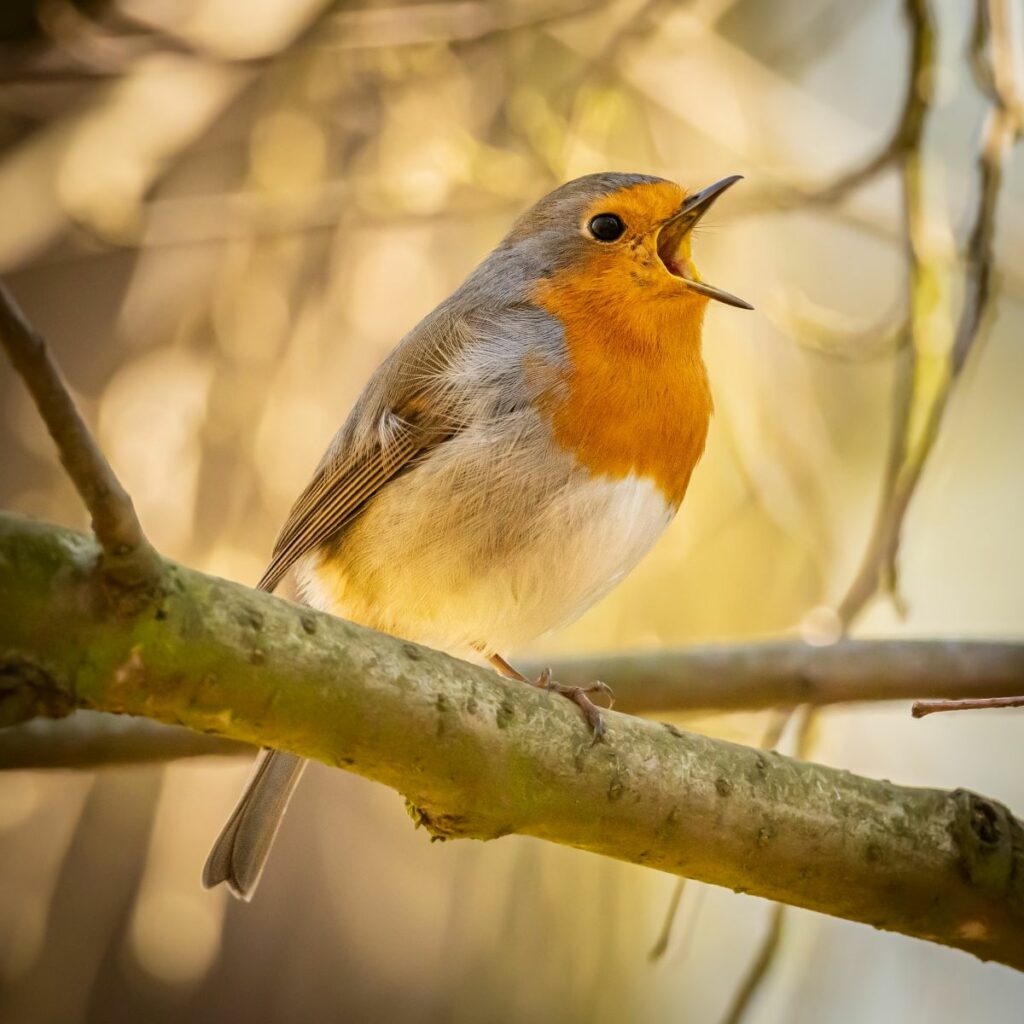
x=681, y=224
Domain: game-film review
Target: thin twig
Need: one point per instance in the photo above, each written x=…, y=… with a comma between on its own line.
x=760, y=968
x=813, y=334
x=661, y=942
x=777, y=723
x=906, y=459
x=931, y=707
x=768, y=952
x=878, y=566
x=128, y=558
x=760, y=675
x=917, y=101
x=1001, y=129
x=903, y=146
x=634, y=29
x=903, y=139
x=90, y=740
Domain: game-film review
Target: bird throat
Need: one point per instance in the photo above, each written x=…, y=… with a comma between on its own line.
x=634, y=398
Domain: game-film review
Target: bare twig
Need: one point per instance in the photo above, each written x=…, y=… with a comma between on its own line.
x=672, y=911
x=630, y=31
x=917, y=100
x=903, y=139
x=994, y=56
x=995, y=47
x=90, y=740
x=930, y=707
x=837, y=341
x=128, y=557
x=908, y=456
x=903, y=147
x=759, y=969
x=878, y=566
x=787, y=673
x=768, y=952
x=1001, y=129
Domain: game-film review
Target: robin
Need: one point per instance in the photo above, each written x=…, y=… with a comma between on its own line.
x=514, y=457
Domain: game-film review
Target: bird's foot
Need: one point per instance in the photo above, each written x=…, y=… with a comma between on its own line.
x=579, y=695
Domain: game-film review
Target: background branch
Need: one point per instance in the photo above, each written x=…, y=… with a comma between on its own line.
x=930, y=707
x=767, y=953
x=910, y=449
x=90, y=739
x=786, y=673
x=902, y=140
x=692, y=680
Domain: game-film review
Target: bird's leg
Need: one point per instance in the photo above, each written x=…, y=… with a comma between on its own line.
x=577, y=694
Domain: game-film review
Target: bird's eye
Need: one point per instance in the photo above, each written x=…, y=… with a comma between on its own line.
x=606, y=227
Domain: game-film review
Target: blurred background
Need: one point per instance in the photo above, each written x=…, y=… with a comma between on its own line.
x=224, y=215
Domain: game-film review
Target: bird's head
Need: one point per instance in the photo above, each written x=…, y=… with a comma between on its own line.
x=626, y=235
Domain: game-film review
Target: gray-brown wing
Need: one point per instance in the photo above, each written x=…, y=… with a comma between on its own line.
x=411, y=406
x=392, y=424
x=335, y=495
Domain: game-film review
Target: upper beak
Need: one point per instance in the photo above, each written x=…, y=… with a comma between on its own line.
x=682, y=223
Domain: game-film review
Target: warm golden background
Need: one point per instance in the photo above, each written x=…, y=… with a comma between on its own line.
x=224, y=214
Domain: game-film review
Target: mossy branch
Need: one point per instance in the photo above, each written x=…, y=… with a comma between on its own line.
x=699, y=679
x=480, y=757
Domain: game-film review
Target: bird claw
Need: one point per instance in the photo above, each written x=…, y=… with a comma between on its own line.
x=579, y=695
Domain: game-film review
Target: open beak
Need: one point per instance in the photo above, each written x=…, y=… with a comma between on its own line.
x=673, y=234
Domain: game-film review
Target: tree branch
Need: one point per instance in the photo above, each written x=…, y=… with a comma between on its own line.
x=931, y=707
x=901, y=141
x=767, y=955
x=995, y=62
x=90, y=739
x=128, y=558
x=992, y=57
x=478, y=756
x=691, y=680
x=785, y=673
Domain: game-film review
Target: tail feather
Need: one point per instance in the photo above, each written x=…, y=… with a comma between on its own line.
x=240, y=853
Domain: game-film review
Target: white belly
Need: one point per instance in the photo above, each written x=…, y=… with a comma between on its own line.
x=460, y=553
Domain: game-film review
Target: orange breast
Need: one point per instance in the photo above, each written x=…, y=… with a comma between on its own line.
x=635, y=398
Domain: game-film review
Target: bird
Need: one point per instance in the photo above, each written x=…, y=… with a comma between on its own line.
x=513, y=458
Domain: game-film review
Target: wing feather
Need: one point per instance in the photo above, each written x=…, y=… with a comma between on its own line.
x=457, y=367
x=335, y=496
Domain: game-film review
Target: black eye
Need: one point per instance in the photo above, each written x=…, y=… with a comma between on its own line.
x=606, y=227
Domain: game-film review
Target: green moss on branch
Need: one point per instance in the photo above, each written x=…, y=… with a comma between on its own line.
x=478, y=756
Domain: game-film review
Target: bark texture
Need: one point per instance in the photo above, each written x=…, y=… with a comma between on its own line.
x=480, y=757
